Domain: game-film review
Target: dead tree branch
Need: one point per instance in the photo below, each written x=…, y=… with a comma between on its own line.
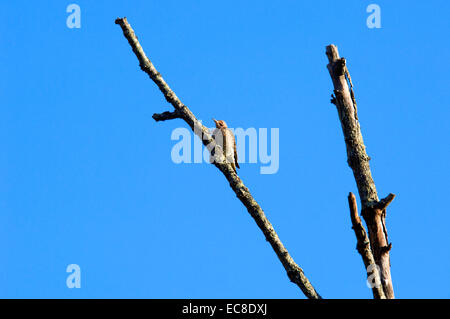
x=294, y=272
x=166, y=116
x=363, y=247
x=373, y=210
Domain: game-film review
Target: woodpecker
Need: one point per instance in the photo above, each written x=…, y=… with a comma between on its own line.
x=225, y=138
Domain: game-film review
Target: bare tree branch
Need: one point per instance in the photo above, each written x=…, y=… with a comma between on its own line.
x=166, y=116
x=294, y=272
x=372, y=209
x=363, y=247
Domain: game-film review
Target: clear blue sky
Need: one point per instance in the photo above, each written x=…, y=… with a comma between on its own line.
x=86, y=175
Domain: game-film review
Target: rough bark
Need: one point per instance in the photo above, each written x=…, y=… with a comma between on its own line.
x=373, y=209
x=294, y=272
x=363, y=247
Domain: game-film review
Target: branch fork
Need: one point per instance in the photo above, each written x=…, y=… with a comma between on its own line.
x=373, y=210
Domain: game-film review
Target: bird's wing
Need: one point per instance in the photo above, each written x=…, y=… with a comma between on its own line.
x=235, y=152
x=224, y=141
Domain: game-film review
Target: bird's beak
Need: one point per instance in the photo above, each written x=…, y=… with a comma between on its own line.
x=214, y=121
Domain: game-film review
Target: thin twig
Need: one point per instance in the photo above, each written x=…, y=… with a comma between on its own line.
x=166, y=116
x=294, y=272
x=363, y=247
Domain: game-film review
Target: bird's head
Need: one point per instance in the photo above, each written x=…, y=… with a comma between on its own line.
x=220, y=124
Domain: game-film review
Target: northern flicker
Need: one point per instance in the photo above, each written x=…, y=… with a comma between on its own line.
x=225, y=138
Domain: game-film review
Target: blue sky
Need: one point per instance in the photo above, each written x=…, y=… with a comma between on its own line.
x=86, y=175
